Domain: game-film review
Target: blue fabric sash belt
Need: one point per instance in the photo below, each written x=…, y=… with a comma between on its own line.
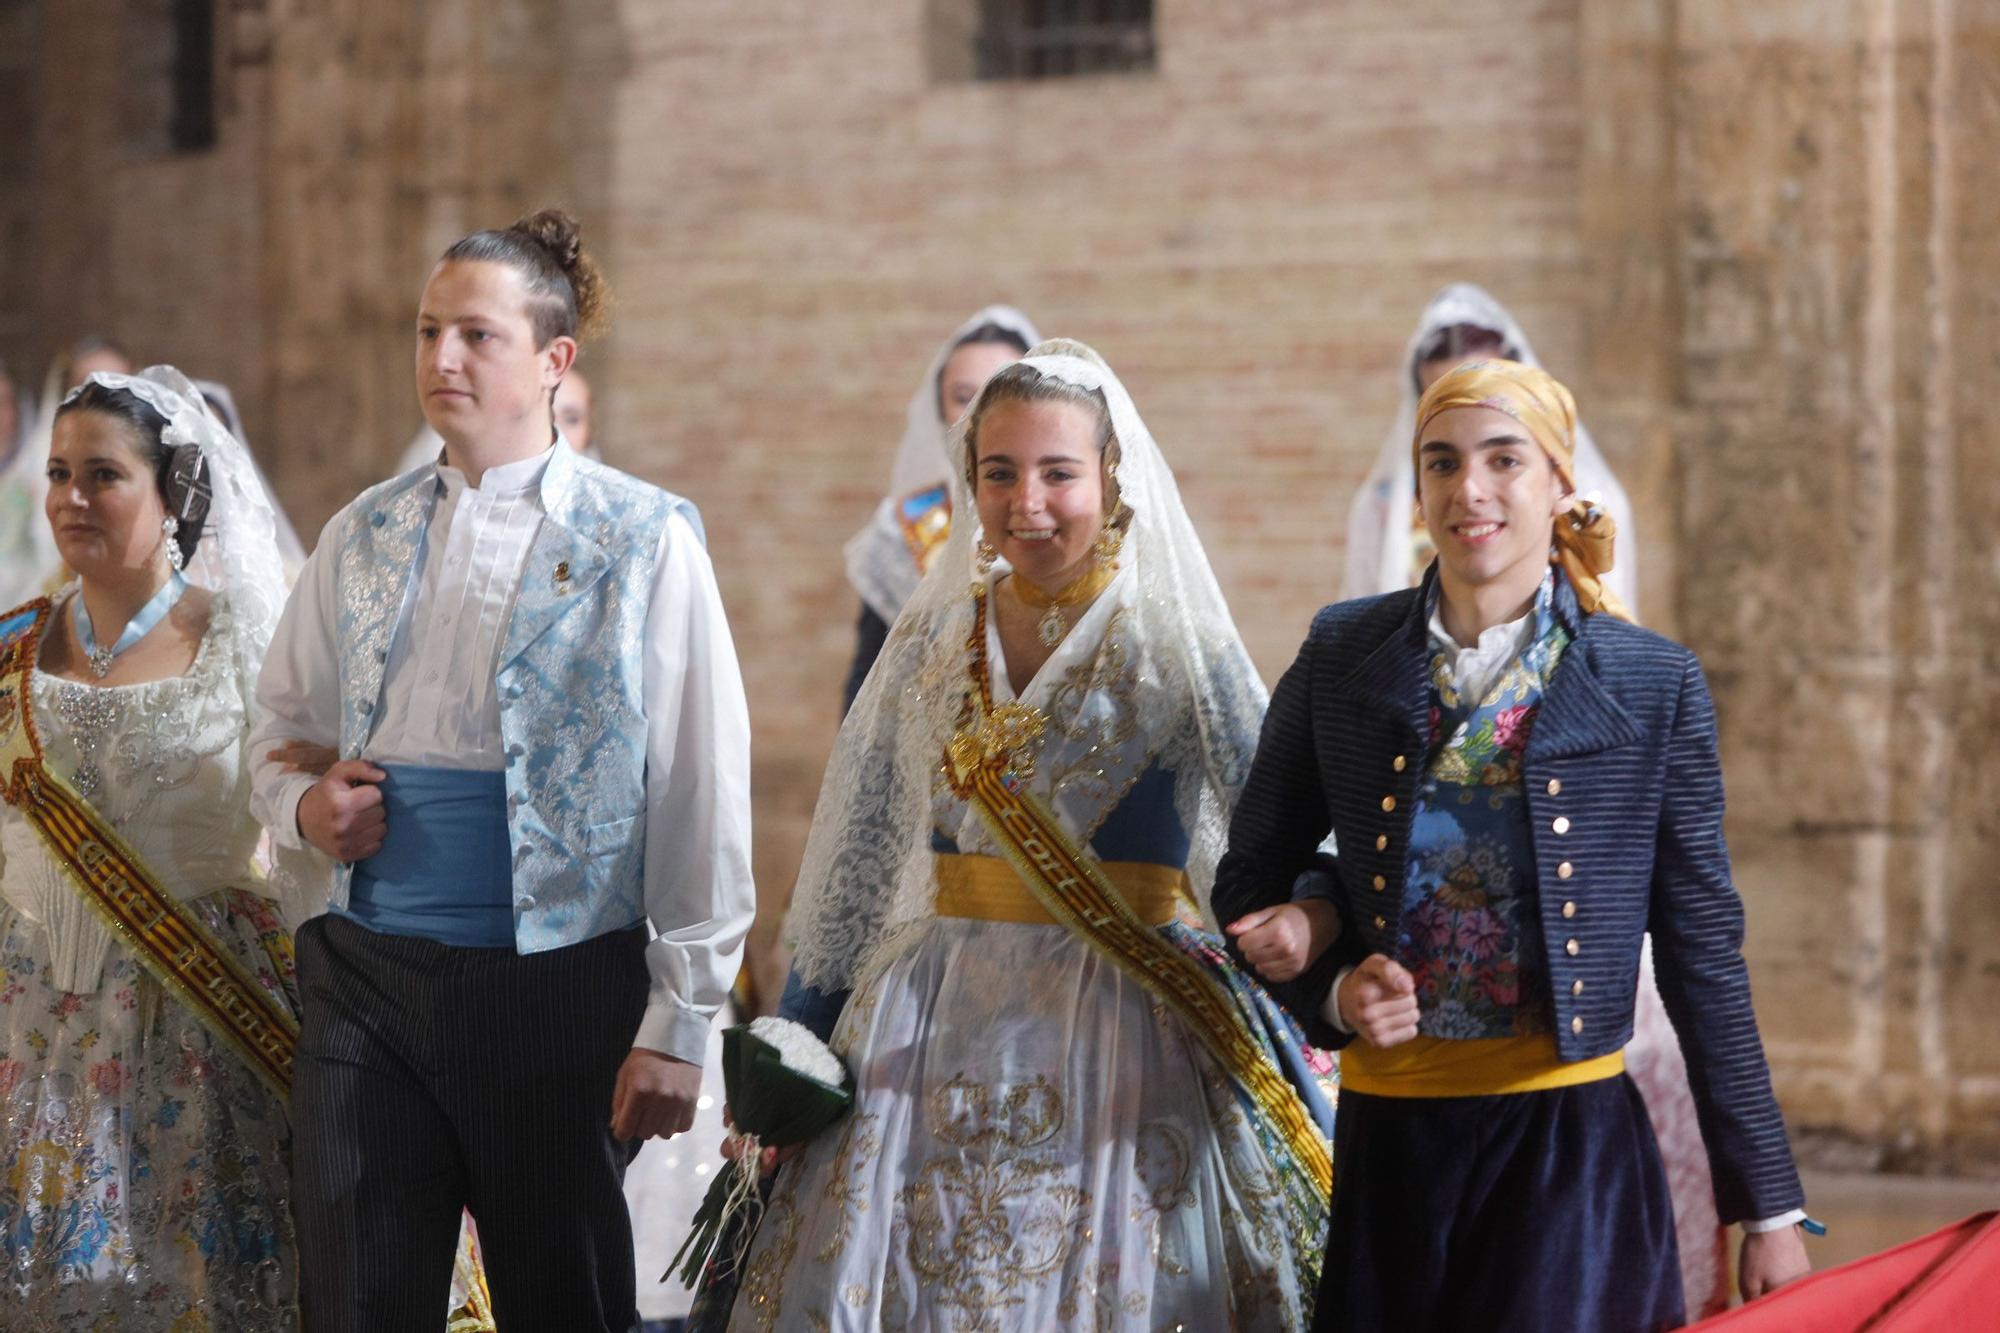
x=445, y=870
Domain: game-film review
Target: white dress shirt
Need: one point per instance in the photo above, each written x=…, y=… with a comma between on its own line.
x=1474, y=671
x=440, y=710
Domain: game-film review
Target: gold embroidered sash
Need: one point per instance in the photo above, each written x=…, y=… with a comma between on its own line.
x=982, y=763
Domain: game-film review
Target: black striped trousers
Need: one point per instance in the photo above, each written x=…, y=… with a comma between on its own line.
x=433, y=1078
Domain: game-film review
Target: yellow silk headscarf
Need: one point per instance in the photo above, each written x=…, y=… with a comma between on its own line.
x=1583, y=536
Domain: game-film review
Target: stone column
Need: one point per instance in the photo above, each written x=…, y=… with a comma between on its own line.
x=1832, y=490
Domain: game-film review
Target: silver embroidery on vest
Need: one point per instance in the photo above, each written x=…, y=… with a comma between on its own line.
x=569, y=683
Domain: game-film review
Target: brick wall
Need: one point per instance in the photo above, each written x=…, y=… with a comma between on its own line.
x=798, y=213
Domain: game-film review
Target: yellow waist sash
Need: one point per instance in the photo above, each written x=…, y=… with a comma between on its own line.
x=1440, y=1067
x=988, y=888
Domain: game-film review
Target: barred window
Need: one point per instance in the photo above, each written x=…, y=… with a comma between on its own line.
x=1044, y=39
x=170, y=86
x=192, y=126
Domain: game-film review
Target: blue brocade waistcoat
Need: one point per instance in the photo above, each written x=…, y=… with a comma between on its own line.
x=569, y=679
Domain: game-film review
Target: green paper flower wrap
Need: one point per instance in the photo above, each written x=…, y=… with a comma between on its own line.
x=777, y=1103
x=784, y=1086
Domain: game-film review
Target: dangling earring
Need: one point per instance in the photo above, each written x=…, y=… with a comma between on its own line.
x=1110, y=541
x=171, y=526
x=985, y=556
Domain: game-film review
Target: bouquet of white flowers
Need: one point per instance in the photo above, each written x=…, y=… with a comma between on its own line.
x=783, y=1086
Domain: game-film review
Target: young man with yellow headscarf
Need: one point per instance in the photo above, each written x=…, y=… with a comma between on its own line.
x=1520, y=784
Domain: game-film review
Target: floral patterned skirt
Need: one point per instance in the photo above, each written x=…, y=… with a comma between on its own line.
x=143, y=1167
x=1035, y=1144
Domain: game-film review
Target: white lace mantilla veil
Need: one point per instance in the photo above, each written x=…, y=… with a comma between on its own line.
x=238, y=552
x=868, y=868
x=1379, y=521
x=236, y=559
x=878, y=559
x=289, y=546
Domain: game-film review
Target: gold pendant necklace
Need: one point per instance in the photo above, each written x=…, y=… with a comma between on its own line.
x=1054, y=625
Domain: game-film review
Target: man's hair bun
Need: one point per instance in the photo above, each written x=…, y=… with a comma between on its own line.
x=567, y=292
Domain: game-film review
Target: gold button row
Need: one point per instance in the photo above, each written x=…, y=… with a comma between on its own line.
x=1563, y=871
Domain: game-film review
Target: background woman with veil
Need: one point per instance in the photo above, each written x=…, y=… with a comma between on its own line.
x=887, y=558
x=1070, y=1109
x=144, y=1147
x=1388, y=549
x=1386, y=545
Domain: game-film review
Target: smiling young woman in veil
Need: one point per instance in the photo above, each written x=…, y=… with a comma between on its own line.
x=1069, y=1108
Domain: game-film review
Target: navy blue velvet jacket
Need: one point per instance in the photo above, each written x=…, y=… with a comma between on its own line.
x=1623, y=787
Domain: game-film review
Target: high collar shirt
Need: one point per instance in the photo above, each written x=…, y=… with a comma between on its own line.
x=1474, y=670
x=440, y=709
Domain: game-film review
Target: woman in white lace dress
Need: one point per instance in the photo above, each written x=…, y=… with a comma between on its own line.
x=143, y=1163
x=1050, y=1130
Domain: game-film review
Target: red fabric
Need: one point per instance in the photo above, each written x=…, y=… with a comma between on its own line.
x=1948, y=1280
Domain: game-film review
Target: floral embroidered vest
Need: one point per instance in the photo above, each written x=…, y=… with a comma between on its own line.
x=1470, y=929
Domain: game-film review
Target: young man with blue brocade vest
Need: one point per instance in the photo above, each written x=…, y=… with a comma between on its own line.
x=541, y=748
x=1520, y=783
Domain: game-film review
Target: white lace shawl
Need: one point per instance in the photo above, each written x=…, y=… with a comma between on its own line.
x=174, y=759
x=868, y=868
